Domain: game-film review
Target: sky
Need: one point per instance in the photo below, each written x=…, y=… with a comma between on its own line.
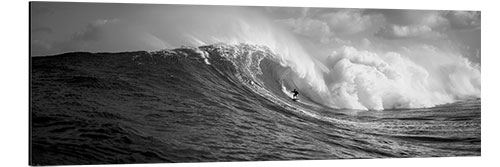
x=65, y=27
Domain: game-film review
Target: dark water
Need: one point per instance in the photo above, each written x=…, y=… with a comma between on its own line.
x=175, y=106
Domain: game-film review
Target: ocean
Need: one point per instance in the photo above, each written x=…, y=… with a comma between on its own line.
x=219, y=103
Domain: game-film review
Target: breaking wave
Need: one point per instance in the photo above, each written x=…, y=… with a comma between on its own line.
x=351, y=78
x=347, y=78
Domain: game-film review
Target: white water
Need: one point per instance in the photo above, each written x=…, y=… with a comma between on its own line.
x=368, y=80
x=349, y=77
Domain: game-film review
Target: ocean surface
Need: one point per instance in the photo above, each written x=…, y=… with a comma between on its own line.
x=218, y=103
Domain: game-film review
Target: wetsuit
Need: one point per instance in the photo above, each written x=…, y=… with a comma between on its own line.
x=295, y=93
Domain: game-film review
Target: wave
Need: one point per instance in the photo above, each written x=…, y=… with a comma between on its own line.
x=173, y=105
x=352, y=79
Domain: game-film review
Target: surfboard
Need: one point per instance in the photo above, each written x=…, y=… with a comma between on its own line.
x=295, y=99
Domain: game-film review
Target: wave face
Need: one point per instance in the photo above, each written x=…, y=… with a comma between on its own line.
x=227, y=102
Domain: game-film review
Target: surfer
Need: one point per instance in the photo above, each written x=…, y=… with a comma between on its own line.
x=295, y=93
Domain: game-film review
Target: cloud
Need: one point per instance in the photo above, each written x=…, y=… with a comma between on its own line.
x=93, y=31
x=366, y=42
x=420, y=24
x=41, y=30
x=37, y=9
x=416, y=31
x=286, y=12
x=100, y=35
x=88, y=37
x=308, y=27
x=426, y=24
x=327, y=25
x=39, y=42
x=349, y=21
x=411, y=17
x=464, y=19
x=40, y=47
x=443, y=20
